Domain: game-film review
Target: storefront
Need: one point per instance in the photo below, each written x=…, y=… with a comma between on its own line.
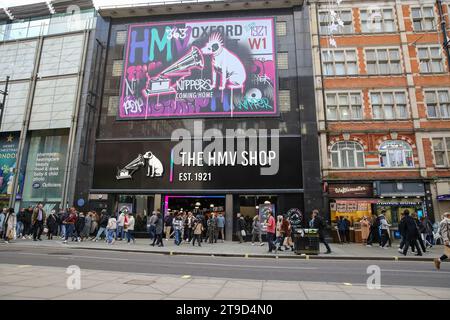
x=442, y=197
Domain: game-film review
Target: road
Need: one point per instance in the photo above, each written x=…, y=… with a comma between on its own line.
x=403, y=273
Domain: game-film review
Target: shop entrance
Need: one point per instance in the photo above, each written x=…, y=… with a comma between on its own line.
x=194, y=204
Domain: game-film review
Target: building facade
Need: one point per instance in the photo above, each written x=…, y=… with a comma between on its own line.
x=382, y=90
x=204, y=107
x=45, y=51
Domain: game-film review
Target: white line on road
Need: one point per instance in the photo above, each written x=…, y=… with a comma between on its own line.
x=414, y=271
x=68, y=256
x=249, y=266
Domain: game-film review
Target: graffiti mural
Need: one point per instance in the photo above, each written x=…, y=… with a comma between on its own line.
x=222, y=68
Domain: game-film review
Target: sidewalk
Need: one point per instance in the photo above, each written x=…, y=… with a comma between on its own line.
x=235, y=249
x=19, y=282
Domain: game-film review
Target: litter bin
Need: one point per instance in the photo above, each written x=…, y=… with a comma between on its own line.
x=306, y=241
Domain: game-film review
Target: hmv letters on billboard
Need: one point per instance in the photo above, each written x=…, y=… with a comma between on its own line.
x=218, y=68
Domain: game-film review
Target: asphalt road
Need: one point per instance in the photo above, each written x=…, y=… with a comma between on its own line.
x=400, y=273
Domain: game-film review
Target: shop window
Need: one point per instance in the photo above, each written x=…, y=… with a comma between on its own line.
x=396, y=154
x=438, y=104
x=423, y=18
x=347, y=154
x=430, y=59
x=325, y=19
x=339, y=62
x=117, y=68
x=282, y=61
x=281, y=28
x=344, y=106
x=383, y=61
x=441, y=149
x=380, y=20
x=388, y=105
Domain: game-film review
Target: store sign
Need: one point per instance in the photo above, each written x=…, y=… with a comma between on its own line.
x=8, y=150
x=205, y=166
x=198, y=68
x=350, y=190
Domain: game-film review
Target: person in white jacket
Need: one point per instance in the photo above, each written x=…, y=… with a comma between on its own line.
x=111, y=230
x=129, y=227
x=384, y=225
x=445, y=234
x=10, y=225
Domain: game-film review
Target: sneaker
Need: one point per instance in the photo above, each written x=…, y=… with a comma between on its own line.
x=6, y=241
x=437, y=264
x=23, y=238
x=385, y=248
x=253, y=244
x=328, y=252
x=261, y=244
x=368, y=245
x=400, y=251
x=64, y=242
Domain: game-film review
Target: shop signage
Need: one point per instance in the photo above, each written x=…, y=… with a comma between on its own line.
x=443, y=197
x=8, y=149
x=198, y=68
x=264, y=167
x=350, y=190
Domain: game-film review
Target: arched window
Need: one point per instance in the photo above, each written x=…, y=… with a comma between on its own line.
x=347, y=154
x=396, y=154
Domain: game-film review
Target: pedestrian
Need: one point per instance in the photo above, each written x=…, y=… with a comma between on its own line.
x=158, y=231
x=256, y=230
x=70, y=222
x=212, y=226
x=240, y=232
x=79, y=226
x=279, y=233
x=129, y=227
x=197, y=229
x=287, y=233
x=102, y=225
x=38, y=221
x=87, y=226
x=21, y=216
x=151, y=225
x=168, y=225
x=347, y=229
x=384, y=225
x=221, y=227
x=373, y=233
x=121, y=223
x=428, y=232
x=52, y=225
x=445, y=234
x=319, y=224
x=94, y=224
x=178, y=228
x=365, y=229
x=27, y=223
x=408, y=228
x=3, y=215
x=342, y=230
x=271, y=225
x=188, y=226
x=111, y=229
x=419, y=230
x=9, y=225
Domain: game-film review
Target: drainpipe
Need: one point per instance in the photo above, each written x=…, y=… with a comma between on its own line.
x=444, y=30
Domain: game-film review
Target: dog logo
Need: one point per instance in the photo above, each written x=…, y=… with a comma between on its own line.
x=154, y=167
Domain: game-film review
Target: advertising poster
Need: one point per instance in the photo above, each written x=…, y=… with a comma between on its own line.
x=199, y=68
x=9, y=143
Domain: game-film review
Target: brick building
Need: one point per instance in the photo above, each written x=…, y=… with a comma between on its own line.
x=383, y=106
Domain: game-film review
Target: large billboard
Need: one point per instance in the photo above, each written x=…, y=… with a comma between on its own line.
x=199, y=68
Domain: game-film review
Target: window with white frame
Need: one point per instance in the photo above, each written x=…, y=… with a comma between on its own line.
x=340, y=62
x=388, y=105
x=396, y=154
x=441, y=149
x=344, y=106
x=378, y=20
x=438, y=103
x=347, y=154
x=346, y=16
x=423, y=18
x=383, y=61
x=430, y=59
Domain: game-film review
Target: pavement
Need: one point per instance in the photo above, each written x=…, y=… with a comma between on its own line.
x=24, y=282
x=351, y=251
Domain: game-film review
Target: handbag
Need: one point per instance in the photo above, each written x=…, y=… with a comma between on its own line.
x=45, y=230
x=243, y=233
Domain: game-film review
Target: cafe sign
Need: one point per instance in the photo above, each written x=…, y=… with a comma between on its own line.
x=350, y=190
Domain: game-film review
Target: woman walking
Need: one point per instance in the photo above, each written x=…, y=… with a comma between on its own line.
x=10, y=224
x=287, y=231
x=365, y=229
x=158, y=231
x=256, y=231
x=279, y=233
x=87, y=226
x=129, y=227
x=52, y=225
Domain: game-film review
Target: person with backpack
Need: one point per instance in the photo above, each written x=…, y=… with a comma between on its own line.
x=445, y=234
x=319, y=224
x=102, y=225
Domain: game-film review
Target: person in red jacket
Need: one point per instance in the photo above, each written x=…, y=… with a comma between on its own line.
x=271, y=231
x=70, y=224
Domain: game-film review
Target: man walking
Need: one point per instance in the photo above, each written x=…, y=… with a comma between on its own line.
x=408, y=228
x=319, y=224
x=152, y=225
x=220, y=227
x=168, y=225
x=240, y=232
x=38, y=221
x=445, y=234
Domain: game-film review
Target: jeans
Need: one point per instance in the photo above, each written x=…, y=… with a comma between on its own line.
x=69, y=231
x=120, y=232
x=152, y=231
x=101, y=230
x=177, y=237
x=130, y=235
x=270, y=237
x=19, y=228
x=110, y=235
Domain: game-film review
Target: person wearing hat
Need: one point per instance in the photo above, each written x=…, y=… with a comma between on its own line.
x=102, y=225
x=445, y=234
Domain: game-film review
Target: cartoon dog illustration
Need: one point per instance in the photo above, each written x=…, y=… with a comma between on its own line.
x=154, y=166
x=224, y=62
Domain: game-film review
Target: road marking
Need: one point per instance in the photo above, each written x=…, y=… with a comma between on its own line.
x=415, y=271
x=24, y=266
x=186, y=276
x=249, y=266
x=347, y=284
x=68, y=257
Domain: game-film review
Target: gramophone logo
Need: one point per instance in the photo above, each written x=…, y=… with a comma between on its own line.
x=154, y=167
